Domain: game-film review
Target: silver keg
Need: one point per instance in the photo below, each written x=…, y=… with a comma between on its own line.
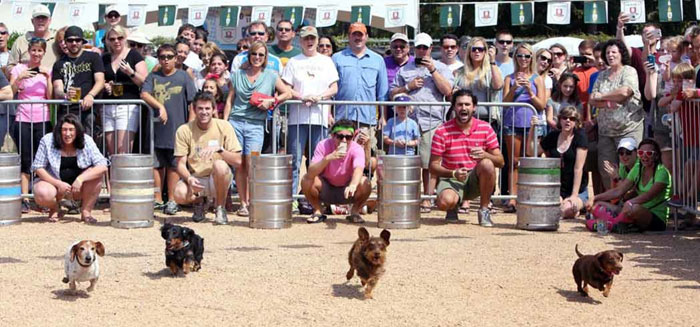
x=538, y=193
x=131, y=198
x=10, y=190
x=399, y=191
x=270, y=190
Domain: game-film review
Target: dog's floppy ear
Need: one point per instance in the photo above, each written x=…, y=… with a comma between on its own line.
x=385, y=236
x=164, y=230
x=621, y=256
x=74, y=251
x=100, y=249
x=186, y=233
x=363, y=233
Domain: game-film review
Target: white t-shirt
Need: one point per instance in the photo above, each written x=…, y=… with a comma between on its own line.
x=4, y=56
x=310, y=76
x=455, y=65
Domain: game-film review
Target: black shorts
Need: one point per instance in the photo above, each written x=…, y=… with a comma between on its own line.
x=164, y=158
x=331, y=194
x=657, y=224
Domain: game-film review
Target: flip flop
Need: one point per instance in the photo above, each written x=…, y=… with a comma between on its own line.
x=89, y=220
x=424, y=209
x=316, y=218
x=59, y=214
x=463, y=210
x=355, y=219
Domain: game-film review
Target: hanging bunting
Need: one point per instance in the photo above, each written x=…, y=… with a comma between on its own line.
x=559, y=13
x=361, y=14
x=450, y=16
x=522, y=13
x=136, y=15
x=486, y=14
x=76, y=13
x=294, y=15
x=635, y=9
x=20, y=9
x=327, y=15
x=196, y=15
x=595, y=12
x=395, y=16
x=101, y=12
x=166, y=15
x=670, y=11
x=228, y=16
x=51, y=5
x=263, y=14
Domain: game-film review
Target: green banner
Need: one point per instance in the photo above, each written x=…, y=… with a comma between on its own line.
x=101, y=20
x=450, y=16
x=294, y=15
x=670, y=11
x=51, y=5
x=595, y=12
x=360, y=14
x=166, y=15
x=521, y=13
x=228, y=16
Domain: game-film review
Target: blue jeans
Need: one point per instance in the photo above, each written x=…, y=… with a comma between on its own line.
x=297, y=136
x=249, y=134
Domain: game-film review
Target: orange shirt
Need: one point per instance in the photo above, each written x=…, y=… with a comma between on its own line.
x=584, y=76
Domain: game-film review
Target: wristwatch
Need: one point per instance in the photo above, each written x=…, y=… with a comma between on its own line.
x=132, y=75
x=220, y=150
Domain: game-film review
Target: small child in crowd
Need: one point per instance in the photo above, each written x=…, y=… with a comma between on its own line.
x=401, y=134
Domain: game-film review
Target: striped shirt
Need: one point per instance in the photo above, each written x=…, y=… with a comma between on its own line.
x=454, y=146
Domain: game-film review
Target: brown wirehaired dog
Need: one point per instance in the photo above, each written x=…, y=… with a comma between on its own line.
x=597, y=270
x=367, y=256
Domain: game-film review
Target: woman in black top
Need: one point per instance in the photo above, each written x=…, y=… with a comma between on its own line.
x=125, y=71
x=571, y=145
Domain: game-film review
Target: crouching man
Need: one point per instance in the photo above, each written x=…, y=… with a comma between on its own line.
x=204, y=149
x=464, y=156
x=335, y=174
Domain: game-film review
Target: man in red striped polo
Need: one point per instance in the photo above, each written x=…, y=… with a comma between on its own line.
x=465, y=155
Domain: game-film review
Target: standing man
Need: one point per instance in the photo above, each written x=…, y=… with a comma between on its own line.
x=584, y=72
x=112, y=18
x=504, y=45
x=425, y=80
x=4, y=51
x=257, y=31
x=169, y=91
x=465, y=155
x=41, y=19
x=284, y=36
x=400, y=56
x=363, y=77
x=450, y=49
x=204, y=149
x=78, y=74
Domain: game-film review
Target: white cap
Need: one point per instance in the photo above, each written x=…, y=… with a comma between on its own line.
x=138, y=37
x=399, y=36
x=41, y=10
x=628, y=143
x=112, y=8
x=423, y=39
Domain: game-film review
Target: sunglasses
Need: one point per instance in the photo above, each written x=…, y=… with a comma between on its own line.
x=422, y=47
x=259, y=33
x=526, y=56
x=284, y=29
x=569, y=118
x=135, y=45
x=244, y=47
x=327, y=46
x=647, y=154
x=257, y=54
x=166, y=57
x=34, y=39
x=548, y=60
x=504, y=42
x=119, y=38
x=341, y=137
x=396, y=47
x=3, y=32
x=73, y=40
x=450, y=47
x=624, y=152
x=112, y=16
x=478, y=49
x=558, y=54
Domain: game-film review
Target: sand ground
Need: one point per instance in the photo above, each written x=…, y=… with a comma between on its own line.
x=437, y=275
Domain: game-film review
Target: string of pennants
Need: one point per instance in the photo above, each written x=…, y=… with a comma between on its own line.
x=558, y=12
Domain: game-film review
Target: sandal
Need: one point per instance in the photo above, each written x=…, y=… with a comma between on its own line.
x=509, y=208
x=355, y=219
x=463, y=210
x=316, y=218
x=59, y=214
x=89, y=220
x=243, y=211
x=425, y=209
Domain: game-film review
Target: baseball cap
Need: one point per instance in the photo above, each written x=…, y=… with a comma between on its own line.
x=308, y=31
x=74, y=31
x=357, y=27
x=399, y=36
x=402, y=97
x=41, y=10
x=111, y=9
x=628, y=143
x=424, y=39
x=138, y=37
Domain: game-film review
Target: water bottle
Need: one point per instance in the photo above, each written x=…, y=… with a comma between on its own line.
x=601, y=227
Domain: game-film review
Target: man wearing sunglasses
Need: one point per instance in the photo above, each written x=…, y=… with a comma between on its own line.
x=112, y=18
x=504, y=45
x=257, y=31
x=41, y=19
x=335, y=174
x=284, y=35
x=450, y=48
x=400, y=56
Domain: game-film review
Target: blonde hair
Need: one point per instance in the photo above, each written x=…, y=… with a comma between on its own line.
x=569, y=111
x=254, y=47
x=537, y=58
x=683, y=70
x=209, y=48
x=533, y=62
x=117, y=29
x=473, y=74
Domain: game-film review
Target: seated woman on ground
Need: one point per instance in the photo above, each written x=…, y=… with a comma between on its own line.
x=568, y=142
x=652, y=182
x=68, y=166
x=627, y=153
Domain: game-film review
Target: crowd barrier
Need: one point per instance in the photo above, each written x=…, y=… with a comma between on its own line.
x=685, y=144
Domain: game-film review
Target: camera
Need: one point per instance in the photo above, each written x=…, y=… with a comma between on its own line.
x=419, y=61
x=580, y=59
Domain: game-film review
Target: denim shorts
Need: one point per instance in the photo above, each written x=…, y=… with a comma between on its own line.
x=522, y=131
x=250, y=134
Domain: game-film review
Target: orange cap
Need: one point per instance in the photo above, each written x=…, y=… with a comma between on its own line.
x=357, y=27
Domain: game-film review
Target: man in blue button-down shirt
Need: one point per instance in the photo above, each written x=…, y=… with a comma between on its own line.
x=362, y=76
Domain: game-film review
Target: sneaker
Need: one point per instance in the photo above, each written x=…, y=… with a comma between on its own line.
x=295, y=207
x=220, y=217
x=25, y=206
x=171, y=208
x=158, y=205
x=485, y=218
x=199, y=210
x=451, y=216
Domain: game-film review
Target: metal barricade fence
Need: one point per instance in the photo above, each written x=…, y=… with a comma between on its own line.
x=283, y=119
x=685, y=144
x=129, y=115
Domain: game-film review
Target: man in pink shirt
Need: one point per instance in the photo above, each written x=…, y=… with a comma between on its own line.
x=465, y=155
x=335, y=174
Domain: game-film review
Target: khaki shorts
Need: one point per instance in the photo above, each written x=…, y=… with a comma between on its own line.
x=467, y=190
x=426, y=142
x=209, y=187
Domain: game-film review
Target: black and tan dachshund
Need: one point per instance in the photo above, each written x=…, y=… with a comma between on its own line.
x=183, y=248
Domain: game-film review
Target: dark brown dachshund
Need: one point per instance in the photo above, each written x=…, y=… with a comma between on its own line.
x=368, y=256
x=596, y=270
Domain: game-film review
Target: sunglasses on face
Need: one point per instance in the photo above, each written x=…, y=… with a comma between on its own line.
x=119, y=38
x=135, y=45
x=450, y=47
x=244, y=47
x=647, y=154
x=504, y=42
x=396, y=47
x=422, y=47
x=259, y=33
x=526, y=56
x=558, y=54
x=548, y=60
x=73, y=40
x=257, y=54
x=624, y=152
x=284, y=29
x=342, y=136
x=113, y=16
x=3, y=32
x=478, y=49
x=571, y=119
x=324, y=46
x=166, y=57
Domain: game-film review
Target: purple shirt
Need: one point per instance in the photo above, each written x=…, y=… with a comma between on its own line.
x=339, y=172
x=520, y=116
x=392, y=68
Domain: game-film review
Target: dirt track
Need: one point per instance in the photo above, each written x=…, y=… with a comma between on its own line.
x=438, y=275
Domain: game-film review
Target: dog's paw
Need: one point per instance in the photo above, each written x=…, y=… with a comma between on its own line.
x=350, y=274
x=91, y=288
x=368, y=296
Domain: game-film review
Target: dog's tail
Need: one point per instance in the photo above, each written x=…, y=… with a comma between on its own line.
x=577, y=252
x=65, y=280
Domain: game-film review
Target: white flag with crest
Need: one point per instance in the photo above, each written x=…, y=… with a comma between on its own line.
x=395, y=16
x=697, y=8
x=635, y=9
x=20, y=9
x=76, y=13
x=326, y=16
x=136, y=15
x=262, y=14
x=196, y=15
x=485, y=14
x=558, y=13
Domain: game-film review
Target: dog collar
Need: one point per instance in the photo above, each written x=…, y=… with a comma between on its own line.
x=82, y=265
x=184, y=246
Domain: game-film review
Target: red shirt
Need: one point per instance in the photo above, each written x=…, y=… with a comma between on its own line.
x=689, y=113
x=454, y=146
x=584, y=77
